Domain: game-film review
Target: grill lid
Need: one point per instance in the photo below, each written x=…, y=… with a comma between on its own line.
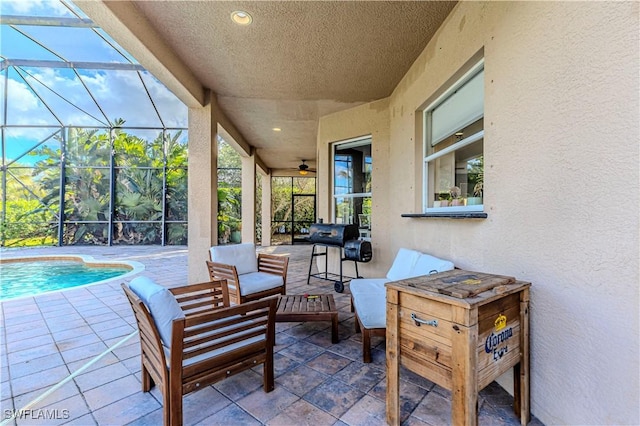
x=332, y=233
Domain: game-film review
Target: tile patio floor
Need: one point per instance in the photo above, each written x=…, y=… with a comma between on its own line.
x=46, y=338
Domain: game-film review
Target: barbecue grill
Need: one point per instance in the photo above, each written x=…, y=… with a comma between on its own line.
x=343, y=237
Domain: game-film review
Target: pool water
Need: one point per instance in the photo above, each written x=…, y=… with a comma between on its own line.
x=28, y=278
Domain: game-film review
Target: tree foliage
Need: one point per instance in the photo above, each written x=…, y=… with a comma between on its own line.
x=285, y=216
x=229, y=191
x=104, y=171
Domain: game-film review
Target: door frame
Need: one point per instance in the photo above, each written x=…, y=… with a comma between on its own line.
x=293, y=216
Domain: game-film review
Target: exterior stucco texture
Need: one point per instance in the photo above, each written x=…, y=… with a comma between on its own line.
x=561, y=186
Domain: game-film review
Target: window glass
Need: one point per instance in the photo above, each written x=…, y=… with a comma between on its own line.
x=463, y=107
x=454, y=146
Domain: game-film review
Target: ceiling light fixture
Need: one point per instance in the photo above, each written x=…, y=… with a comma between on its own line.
x=241, y=17
x=277, y=129
x=303, y=168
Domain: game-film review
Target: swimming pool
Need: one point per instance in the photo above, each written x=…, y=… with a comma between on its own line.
x=21, y=277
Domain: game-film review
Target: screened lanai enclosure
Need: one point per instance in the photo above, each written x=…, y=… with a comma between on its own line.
x=94, y=148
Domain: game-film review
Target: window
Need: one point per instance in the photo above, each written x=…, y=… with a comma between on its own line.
x=352, y=170
x=454, y=146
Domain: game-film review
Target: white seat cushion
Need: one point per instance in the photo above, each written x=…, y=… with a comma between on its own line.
x=242, y=256
x=427, y=265
x=372, y=309
x=403, y=264
x=258, y=281
x=162, y=305
x=367, y=285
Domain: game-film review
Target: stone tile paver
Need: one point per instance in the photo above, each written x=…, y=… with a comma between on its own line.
x=266, y=406
x=302, y=413
x=45, y=338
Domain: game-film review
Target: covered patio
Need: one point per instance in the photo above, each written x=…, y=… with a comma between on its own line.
x=502, y=136
x=56, y=337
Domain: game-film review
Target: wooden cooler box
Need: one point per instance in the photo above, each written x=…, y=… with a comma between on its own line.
x=461, y=330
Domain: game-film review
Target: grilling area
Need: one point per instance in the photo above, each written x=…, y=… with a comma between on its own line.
x=316, y=381
x=344, y=238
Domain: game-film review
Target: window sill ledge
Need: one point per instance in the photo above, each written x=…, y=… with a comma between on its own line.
x=452, y=215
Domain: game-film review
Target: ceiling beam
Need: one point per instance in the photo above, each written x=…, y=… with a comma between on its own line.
x=46, y=21
x=261, y=167
x=78, y=65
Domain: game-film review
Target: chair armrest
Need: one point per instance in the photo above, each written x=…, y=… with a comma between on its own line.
x=273, y=264
x=195, y=298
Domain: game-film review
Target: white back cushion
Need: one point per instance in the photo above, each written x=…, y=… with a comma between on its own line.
x=242, y=256
x=161, y=303
x=402, y=266
x=427, y=264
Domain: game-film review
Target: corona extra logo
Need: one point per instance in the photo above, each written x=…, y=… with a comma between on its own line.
x=500, y=322
x=496, y=339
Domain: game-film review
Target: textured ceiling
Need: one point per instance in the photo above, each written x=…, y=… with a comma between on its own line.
x=297, y=61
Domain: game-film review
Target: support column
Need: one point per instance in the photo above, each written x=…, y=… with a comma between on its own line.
x=248, y=198
x=203, y=189
x=266, y=209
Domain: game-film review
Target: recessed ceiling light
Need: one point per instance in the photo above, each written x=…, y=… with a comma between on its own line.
x=277, y=129
x=241, y=17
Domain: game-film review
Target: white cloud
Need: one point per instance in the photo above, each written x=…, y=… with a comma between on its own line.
x=20, y=97
x=173, y=111
x=24, y=108
x=120, y=94
x=35, y=7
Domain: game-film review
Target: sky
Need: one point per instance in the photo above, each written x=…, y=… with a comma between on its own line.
x=32, y=91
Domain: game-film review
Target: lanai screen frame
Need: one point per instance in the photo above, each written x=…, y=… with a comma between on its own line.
x=63, y=129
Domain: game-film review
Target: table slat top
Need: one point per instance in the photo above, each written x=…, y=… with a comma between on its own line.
x=309, y=304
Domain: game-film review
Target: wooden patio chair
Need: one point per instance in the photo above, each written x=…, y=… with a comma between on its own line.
x=248, y=277
x=191, y=338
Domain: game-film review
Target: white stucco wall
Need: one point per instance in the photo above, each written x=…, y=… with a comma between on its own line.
x=561, y=187
x=367, y=120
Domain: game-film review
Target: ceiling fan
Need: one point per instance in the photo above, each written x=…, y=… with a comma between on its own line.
x=303, y=168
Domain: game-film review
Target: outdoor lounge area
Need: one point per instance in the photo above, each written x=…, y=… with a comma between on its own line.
x=49, y=338
x=501, y=137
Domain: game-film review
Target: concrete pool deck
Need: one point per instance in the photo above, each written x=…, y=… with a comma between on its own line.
x=48, y=338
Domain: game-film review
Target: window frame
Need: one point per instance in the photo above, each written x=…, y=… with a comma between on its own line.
x=477, y=68
x=355, y=142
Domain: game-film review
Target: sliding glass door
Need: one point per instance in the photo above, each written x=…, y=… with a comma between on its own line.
x=352, y=172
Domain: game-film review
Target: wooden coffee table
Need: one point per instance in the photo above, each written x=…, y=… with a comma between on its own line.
x=316, y=307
